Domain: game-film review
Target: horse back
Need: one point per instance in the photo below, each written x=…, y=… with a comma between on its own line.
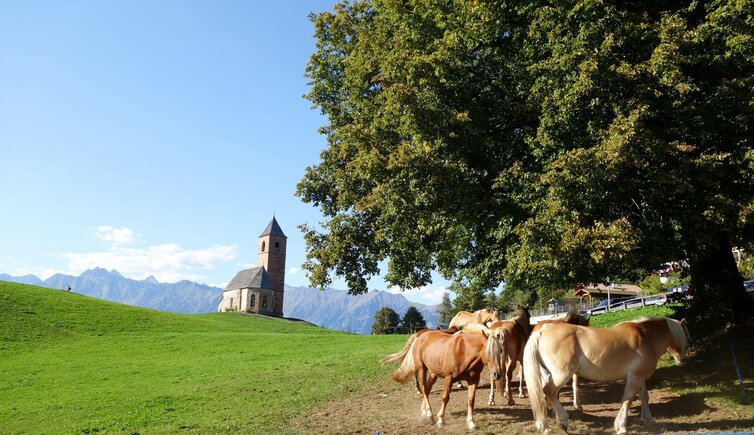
x=450, y=355
x=600, y=354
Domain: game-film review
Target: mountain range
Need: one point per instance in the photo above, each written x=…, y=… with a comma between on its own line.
x=330, y=308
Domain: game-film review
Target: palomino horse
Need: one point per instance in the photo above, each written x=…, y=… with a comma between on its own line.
x=483, y=316
x=628, y=350
x=574, y=319
x=516, y=331
x=461, y=356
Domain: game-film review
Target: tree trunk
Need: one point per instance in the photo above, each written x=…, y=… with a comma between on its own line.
x=717, y=285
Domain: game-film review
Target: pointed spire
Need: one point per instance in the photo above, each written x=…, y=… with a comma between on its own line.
x=273, y=229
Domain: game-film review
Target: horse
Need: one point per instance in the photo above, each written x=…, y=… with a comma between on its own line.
x=516, y=331
x=483, y=316
x=629, y=350
x=460, y=356
x=400, y=355
x=574, y=319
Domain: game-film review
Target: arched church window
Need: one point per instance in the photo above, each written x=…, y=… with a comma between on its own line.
x=253, y=299
x=263, y=246
x=264, y=301
x=277, y=245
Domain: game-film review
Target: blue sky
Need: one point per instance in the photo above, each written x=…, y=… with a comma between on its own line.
x=156, y=138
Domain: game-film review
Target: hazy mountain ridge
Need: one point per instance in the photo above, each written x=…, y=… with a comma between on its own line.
x=336, y=309
x=332, y=309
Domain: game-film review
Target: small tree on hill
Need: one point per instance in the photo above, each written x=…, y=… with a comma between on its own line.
x=413, y=321
x=385, y=321
x=446, y=310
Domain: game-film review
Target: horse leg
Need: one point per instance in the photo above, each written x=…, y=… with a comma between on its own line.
x=447, y=385
x=633, y=385
x=494, y=384
x=552, y=393
x=470, y=407
x=576, y=400
x=646, y=416
x=521, y=379
x=508, y=375
x=425, y=384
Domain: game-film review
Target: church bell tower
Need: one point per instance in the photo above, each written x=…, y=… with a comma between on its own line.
x=272, y=244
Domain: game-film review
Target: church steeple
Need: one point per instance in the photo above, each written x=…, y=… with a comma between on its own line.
x=273, y=229
x=272, y=246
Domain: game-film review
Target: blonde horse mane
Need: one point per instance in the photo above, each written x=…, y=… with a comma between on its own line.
x=494, y=348
x=679, y=331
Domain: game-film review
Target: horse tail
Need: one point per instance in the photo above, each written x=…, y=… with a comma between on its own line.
x=400, y=356
x=407, y=367
x=534, y=371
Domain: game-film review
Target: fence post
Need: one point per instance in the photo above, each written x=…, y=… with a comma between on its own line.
x=738, y=370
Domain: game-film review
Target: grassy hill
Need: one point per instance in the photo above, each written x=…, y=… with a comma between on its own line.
x=74, y=364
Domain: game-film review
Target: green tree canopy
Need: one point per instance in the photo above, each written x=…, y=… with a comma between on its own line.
x=412, y=321
x=537, y=145
x=385, y=321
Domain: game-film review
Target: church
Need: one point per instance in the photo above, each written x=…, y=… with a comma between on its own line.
x=260, y=289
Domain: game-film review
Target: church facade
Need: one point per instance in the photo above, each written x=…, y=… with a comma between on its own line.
x=260, y=289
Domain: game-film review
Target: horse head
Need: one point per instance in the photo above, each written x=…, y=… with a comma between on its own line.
x=679, y=340
x=487, y=315
x=493, y=352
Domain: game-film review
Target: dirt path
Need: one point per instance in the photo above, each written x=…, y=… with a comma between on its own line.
x=390, y=408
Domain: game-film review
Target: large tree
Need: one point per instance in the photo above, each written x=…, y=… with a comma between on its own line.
x=539, y=145
x=445, y=311
x=386, y=321
x=412, y=321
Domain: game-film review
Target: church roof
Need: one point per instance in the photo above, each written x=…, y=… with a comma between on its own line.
x=273, y=229
x=256, y=277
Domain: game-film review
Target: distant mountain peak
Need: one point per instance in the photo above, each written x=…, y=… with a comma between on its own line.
x=97, y=271
x=151, y=279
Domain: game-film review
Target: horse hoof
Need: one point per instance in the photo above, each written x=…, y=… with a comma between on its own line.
x=440, y=424
x=564, y=427
x=511, y=402
x=471, y=425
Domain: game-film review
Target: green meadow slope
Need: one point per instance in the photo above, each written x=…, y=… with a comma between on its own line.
x=74, y=364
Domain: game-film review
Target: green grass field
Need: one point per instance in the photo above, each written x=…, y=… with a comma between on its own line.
x=74, y=364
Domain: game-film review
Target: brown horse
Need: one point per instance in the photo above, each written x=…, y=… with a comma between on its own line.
x=516, y=331
x=461, y=356
x=628, y=350
x=574, y=319
x=483, y=316
x=399, y=356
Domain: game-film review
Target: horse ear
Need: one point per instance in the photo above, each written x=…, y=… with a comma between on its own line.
x=683, y=321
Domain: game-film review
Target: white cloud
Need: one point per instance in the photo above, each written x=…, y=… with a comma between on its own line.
x=167, y=262
x=423, y=295
x=293, y=271
x=121, y=236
